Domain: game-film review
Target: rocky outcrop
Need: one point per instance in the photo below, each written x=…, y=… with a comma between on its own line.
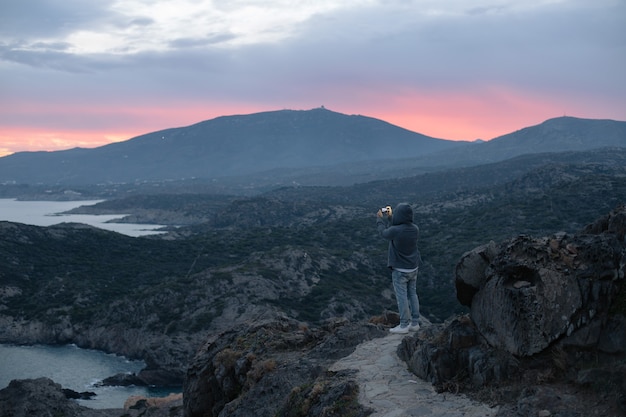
x=526, y=293
x=165, y=356
x=42, y=397
x=273, y=367
x=543, y=311
x=444, y=353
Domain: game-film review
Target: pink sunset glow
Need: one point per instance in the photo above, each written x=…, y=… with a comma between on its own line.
x=443, y=116
x=83, y=76
x=114, y=124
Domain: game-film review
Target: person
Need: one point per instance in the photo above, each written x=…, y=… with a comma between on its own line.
x=403, y=259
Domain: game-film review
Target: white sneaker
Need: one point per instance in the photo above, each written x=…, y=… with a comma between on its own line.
x=399, y=329
x=414, y=327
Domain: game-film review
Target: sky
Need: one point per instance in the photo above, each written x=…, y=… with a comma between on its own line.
x=77, y=73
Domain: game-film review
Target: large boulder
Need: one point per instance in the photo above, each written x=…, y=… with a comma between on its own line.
x=546, y=332
x=42, y=397
x=526, y=293
x=442, y=353
x=470, y=271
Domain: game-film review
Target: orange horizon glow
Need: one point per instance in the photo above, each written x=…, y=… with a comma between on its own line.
x=451, y=116
x=40, y=139
x=134, y=121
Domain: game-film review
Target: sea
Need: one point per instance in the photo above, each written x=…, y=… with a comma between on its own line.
x=72, y=367
x=48, y=213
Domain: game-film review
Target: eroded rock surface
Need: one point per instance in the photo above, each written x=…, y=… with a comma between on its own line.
x=526, y=293
x=547, y=322
x=270, y=368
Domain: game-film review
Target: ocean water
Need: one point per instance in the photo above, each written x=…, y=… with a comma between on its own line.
x=73, y=368
x=48, y=213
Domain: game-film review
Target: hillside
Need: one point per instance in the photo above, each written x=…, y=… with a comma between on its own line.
x=250, y=154
x=223, y=147
x=311, y=253
x=554, y=135
x=189, y=206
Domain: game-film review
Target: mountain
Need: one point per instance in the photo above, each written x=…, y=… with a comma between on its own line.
x=560, y=134
x=261, y=151
x=563, y=135
x=226, y=146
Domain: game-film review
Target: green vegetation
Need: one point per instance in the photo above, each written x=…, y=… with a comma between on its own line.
x=318, y=246
x=344, y=399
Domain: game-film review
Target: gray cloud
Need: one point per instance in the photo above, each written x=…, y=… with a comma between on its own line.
x=561, y=49
x=559, y=45
x=206, y=41
x=35, y=18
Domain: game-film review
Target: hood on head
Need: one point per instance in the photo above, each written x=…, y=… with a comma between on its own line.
x=403, y=213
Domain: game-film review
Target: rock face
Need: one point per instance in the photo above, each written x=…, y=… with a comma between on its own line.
x=165, y=356
x=41, y=397
x=441, y=353
x=273, y=367
x=547, y=321
x=526, y=293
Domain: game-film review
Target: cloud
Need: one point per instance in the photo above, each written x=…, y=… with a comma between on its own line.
x=418, y=61
x=419, y=42
x=210, y=39
x=32, y=19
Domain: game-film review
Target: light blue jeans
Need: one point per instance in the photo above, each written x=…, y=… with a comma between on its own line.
x=404, y=285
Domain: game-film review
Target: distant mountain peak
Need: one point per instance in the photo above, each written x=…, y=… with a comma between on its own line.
x=226, y=146
x=250, y=144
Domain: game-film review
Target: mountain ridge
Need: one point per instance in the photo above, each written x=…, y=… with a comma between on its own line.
x=559, y=134
x=319, y=143
x=226, y=146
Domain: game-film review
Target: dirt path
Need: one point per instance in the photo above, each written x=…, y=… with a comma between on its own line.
x=387, y=386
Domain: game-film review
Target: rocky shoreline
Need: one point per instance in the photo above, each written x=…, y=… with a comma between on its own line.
x=278, y=366
x=165, y=357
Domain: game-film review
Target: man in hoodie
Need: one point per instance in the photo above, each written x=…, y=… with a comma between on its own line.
x=403, y=259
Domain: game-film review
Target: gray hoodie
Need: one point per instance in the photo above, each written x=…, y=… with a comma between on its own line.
x=402, y=235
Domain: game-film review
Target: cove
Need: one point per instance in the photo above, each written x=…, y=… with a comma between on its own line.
x=74, y=368
x=47, y=213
